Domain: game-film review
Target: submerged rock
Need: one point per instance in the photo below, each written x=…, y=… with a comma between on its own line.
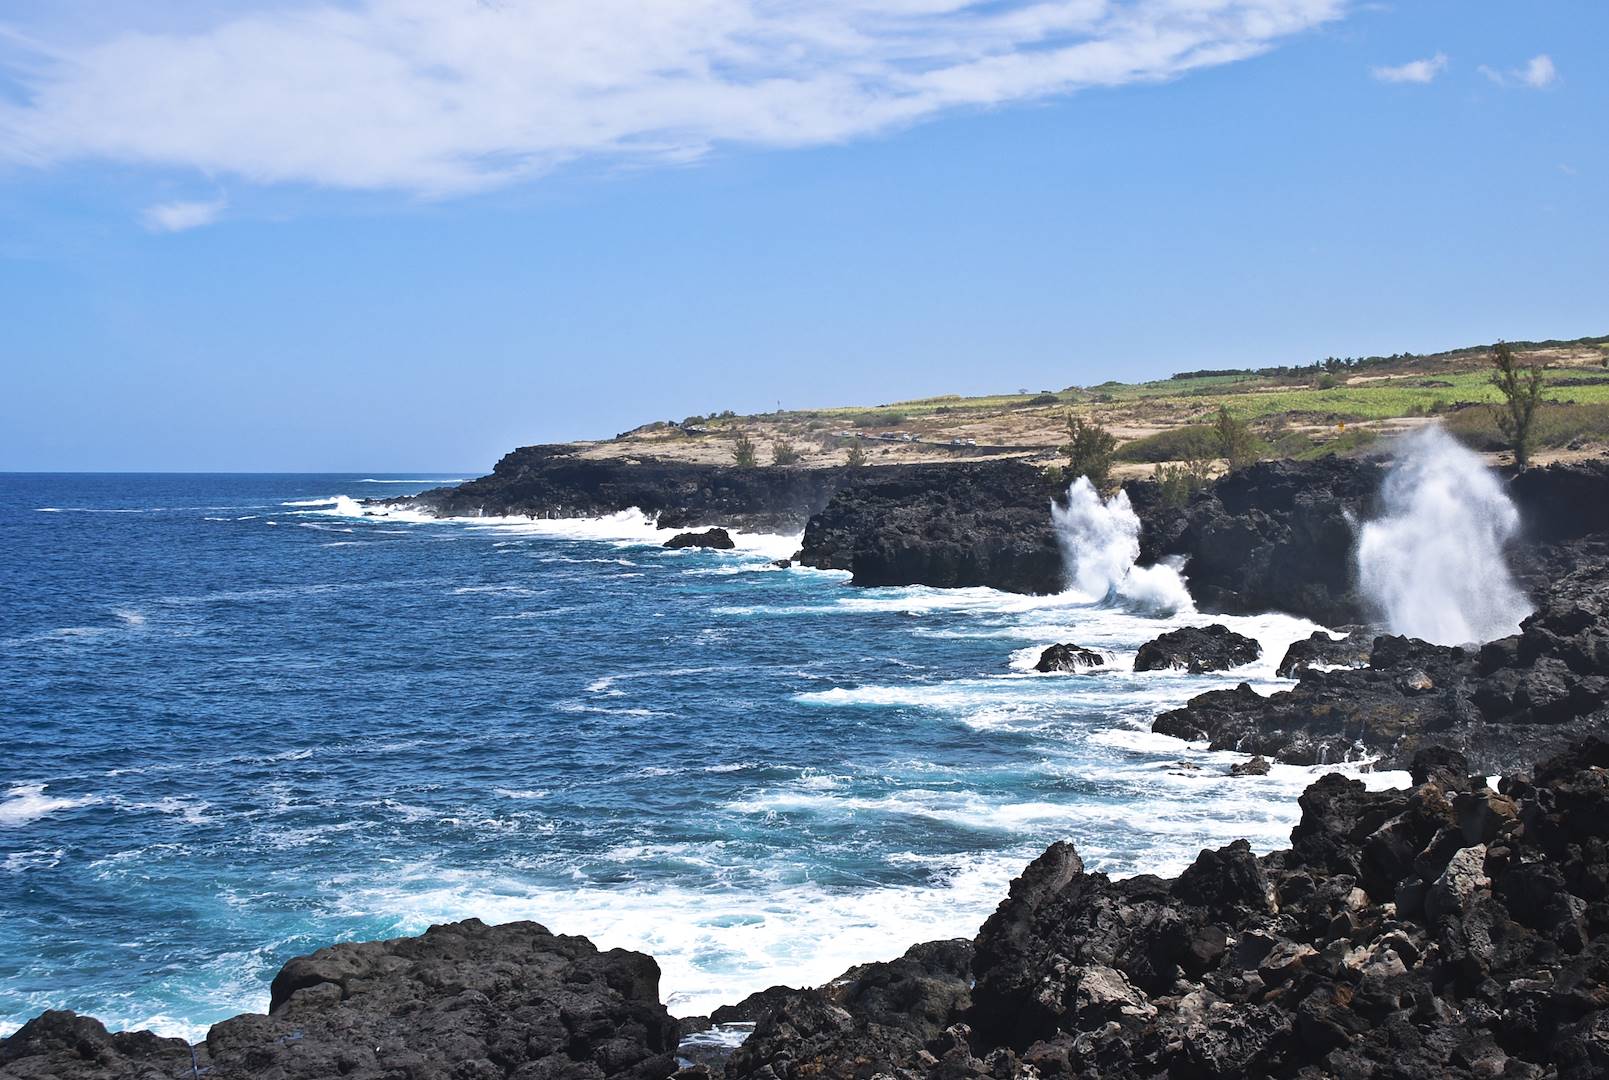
x=1197, y=649
x=719, y=539
x=1069, y=658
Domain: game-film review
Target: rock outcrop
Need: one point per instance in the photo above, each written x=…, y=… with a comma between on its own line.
x=717, y=539
x=984, y=523
x=464, y=1000
x=1320, y=651
x=1275, y=536
x=1068, y=657
x=1197, y=649
x=1516, y=699
x=1447, y=930
x=559, y=482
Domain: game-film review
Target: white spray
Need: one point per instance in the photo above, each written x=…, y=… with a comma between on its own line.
x=1100, y=541
x=1433, y=563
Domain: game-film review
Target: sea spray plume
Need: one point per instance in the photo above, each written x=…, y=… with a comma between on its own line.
x=1432, y=564
x=1100, y=541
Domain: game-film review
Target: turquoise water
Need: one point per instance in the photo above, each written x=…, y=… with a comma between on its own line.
x=244, y=721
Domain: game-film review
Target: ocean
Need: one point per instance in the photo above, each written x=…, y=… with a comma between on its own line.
x=244, y=719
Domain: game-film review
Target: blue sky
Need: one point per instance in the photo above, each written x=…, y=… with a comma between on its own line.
x=411, y=234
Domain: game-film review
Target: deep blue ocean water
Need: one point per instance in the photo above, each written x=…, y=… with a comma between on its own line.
x=241, y=720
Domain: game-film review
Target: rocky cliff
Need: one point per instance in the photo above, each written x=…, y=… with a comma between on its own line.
x=949, y=526
x=556, y=482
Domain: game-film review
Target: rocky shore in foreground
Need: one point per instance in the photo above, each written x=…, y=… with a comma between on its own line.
x=1448, y=929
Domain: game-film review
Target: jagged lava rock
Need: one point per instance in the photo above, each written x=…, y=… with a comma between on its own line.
x=1321, y=650
x=1069, y=657
x=463, y=1000
x=1197, y=649
x=974, y=524
x=718, y=539
x=1313, y=962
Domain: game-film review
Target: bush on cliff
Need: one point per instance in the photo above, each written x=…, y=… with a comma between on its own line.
x=1089, y=450
x=744, y=452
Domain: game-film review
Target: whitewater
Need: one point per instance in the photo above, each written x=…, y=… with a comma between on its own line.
x=249, y=716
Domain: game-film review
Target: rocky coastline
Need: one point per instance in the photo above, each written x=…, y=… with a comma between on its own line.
x=1451, y=929
x=1454, y=928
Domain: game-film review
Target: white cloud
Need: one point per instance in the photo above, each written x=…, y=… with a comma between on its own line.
x=1538, y=74
x=1415, y=71
x=179, y=216
x=444, y=96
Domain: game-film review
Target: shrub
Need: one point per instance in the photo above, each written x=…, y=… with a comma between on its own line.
x=1044, y=398
x=1522, y=391
x=1174, y=444
x=880, y=418
x=1178, y=482
x=857, y=455
x=1089, y=450
x=1236, y=444
x=1552, y=426
x=744, y=452
x=784, y=453
x=1327, y=381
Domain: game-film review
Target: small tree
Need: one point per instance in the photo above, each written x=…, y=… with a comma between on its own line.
x=1236, y=444
x=744, y=452
x=1178, y=481
x=784, y=453
x=857, y=455
x=1089, y=450
x=1522, y=392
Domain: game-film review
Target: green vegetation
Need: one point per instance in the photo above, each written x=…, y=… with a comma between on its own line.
x=785, y=453
x=1238, y=446
x=1175, y=444
x=1089, y=450
x=857, y=455
x=1180, y=481
x=1552, y=426
x=1522, y=392
x=744, y=452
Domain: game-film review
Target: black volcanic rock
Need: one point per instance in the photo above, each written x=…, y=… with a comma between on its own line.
x=462, y=1000
x=62, y=1045
x=983, y=523
x=868, y=1020
x=1069, y=657
x=1445, y=930
x=1275, y=536
x=1319, y=649
x=1197, y=649
x=558, y=482
x=718, y=539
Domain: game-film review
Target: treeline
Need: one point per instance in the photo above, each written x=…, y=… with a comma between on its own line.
x=1353, y=363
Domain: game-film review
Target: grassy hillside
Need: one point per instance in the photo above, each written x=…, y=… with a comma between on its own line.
x=1335, y=406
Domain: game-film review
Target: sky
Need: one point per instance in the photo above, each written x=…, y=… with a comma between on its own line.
x=410, y=235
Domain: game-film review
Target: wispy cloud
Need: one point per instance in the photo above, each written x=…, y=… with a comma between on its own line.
x=1414, y=71
x=445, y=96
x=179, y=216
x=1538, y=73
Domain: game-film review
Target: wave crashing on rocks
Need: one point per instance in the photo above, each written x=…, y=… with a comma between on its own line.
x=1433, y=563
x=1100, y=541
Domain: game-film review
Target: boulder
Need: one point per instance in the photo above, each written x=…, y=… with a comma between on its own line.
x=1197, y=649
x=464, y=1000
x=1073, y=658
x=718, y=539
x=1320, y=651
